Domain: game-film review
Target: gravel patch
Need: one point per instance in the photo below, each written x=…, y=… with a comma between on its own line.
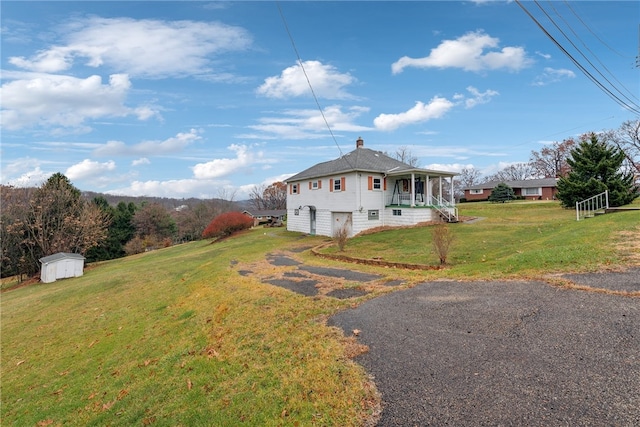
x=628, y=280
x=501, y=354
x=282, y=260
x=303, y=287
x=355, y=276
x=346, y=293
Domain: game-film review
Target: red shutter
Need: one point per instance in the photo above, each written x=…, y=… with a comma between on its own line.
x=319, y=184
x=370, y=183
x=309, y=185
x=343, y=186
x=385, y=183
x=331, y=184
x=290, y=188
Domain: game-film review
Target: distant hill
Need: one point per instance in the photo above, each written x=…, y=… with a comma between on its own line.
x=167, y=202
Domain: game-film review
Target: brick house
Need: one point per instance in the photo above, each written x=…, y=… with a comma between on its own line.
x=529, y=189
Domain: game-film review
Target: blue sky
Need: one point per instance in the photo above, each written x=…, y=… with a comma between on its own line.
x=203, y=99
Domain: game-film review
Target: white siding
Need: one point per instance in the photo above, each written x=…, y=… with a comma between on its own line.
x=356, y=199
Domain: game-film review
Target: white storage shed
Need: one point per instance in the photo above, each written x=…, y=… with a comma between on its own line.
x=61, y=266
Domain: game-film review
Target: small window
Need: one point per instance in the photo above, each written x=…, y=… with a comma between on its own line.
x=476, y=191
x=337, y=185
x=296, y=211
x=397, y=212
x=373, y=214
x=377, y=183
x=314, y=185
x=295, y=189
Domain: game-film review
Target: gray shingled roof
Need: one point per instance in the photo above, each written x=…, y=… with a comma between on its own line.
x=524, y=183
x=364, y=160
x=58, y=256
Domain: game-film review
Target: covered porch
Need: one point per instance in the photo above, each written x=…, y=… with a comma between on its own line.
x=422, y=189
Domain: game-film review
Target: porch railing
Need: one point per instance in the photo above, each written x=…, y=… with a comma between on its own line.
x=447, y=211
x=589, y=207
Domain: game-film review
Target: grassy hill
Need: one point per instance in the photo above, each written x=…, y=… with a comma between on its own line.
x=179, y=337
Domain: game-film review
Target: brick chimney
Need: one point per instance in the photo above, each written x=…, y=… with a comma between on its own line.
x=359, y=142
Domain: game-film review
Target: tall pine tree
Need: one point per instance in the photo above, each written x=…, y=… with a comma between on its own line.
x=595, y=168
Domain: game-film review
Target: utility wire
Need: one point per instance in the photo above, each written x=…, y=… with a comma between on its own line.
x=578, y=49
x=295, y=49
x=590, y=51
x=635, y=109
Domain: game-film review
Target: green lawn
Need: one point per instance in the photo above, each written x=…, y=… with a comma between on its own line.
x=517, y=239
x=177, y=337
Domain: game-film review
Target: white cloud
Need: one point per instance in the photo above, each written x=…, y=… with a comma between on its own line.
x=148, y=148
x=551, y=75
x=88, y=169
x=140, y=161
x=421, y=112
x=246, y=156
x=309, y=123
x=65, y=101
x=32, y=178
x=177, y=188
x=479, y=97
x=470, y=52
x=327, y=82
x=148, y=48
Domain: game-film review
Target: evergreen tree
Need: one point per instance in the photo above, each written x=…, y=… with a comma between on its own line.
x=502, y=193
x=595, y=168
x=121, y=230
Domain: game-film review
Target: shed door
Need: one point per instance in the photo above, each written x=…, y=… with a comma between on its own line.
x=65, y=268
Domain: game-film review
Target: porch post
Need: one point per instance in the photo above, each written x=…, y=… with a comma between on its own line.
x=440, y=189
x=413, y=190
x=452, y=201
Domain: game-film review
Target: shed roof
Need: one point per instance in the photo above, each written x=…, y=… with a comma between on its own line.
x=523, y=183
x=275, y=212
x=59, y=256
x=365, y=160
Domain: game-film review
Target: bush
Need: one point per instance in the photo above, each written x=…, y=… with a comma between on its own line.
x=502, y=193
x=442, y=239
x=341, y=236
x=227, y=224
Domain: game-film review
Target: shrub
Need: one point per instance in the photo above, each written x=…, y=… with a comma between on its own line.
x=227, y=224
x=502, y=193
x=341, y=236
x=442, y=239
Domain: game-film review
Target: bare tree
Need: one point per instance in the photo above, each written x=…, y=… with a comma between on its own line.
x=270, y=197
x=467, y=178
x=551, y=161
x=514, y=172
x=627, y=139
x=405, y=155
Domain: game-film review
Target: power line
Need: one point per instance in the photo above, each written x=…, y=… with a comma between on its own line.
x=633, y=107
x=295, y=49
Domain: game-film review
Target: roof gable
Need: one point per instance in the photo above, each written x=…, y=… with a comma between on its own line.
x=59, y=256
x=523, y=183
x=359, y=160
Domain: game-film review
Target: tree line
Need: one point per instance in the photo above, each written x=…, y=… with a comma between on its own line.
x=58, y=217
x=554, y=160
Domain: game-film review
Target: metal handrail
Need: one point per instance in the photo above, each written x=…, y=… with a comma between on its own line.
x=589, y=207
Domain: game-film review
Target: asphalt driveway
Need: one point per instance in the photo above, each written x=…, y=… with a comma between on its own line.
x=503, y=353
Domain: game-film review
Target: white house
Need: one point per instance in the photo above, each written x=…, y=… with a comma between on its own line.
x=364, y=189
x=61, y=266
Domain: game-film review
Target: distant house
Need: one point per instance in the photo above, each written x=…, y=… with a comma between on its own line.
x=61, y=266
x=530, y=189
x=267, y=216
x=365, y=189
